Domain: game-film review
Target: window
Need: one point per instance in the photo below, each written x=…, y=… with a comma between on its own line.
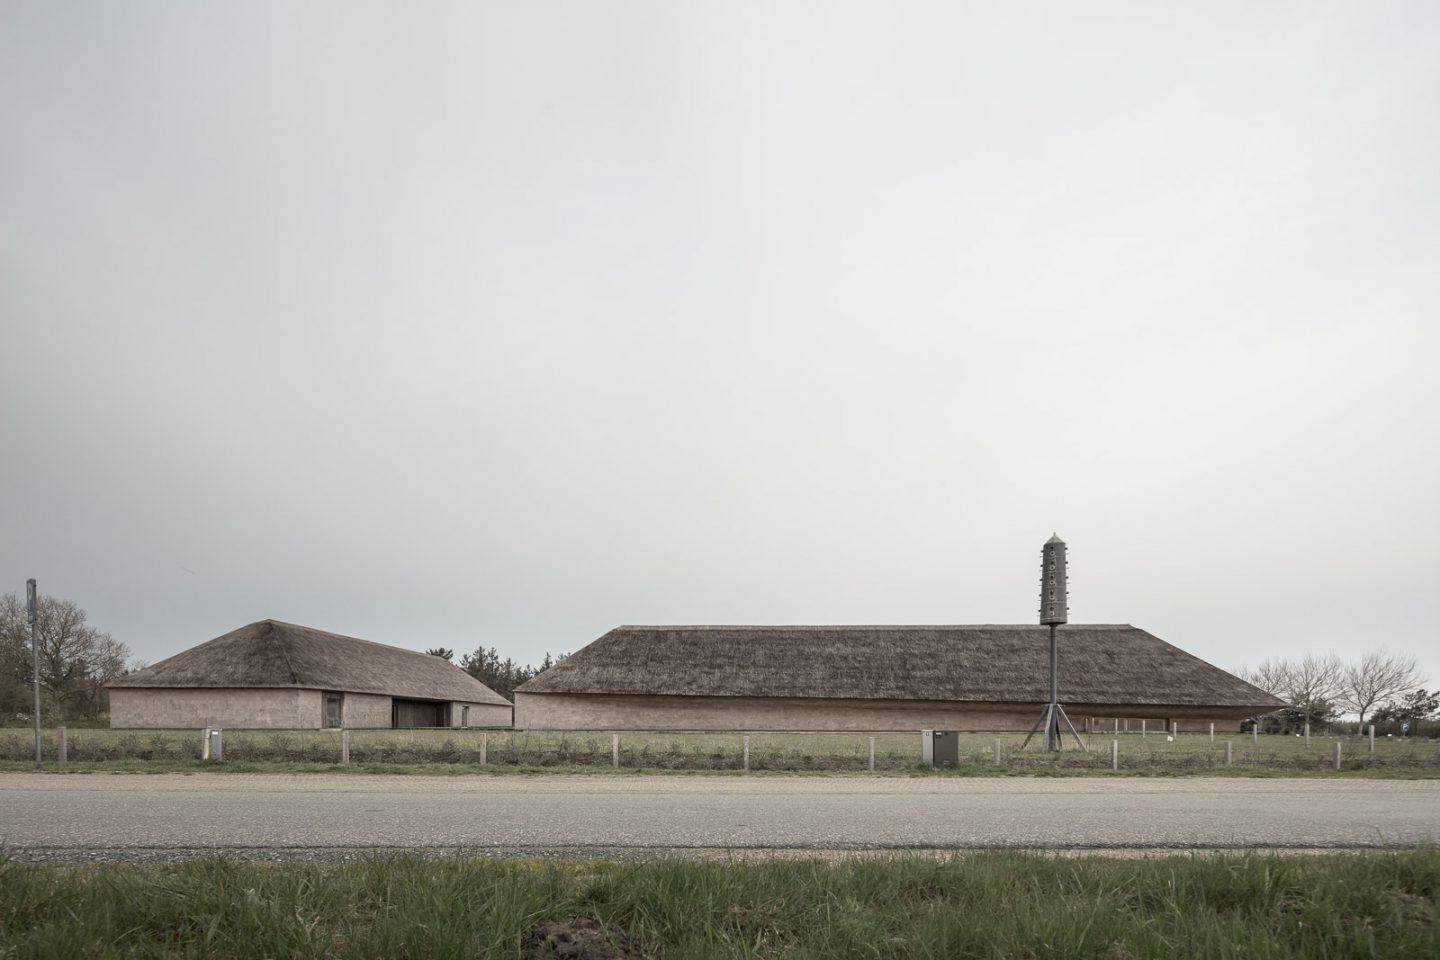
x=333, y=709
x=464, y=716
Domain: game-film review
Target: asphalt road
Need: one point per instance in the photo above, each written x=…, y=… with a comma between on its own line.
x=98, y=817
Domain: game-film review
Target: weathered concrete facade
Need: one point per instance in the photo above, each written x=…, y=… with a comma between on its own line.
x=270, y=709
x=562, y=711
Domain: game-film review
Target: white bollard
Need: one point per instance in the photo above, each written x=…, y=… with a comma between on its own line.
x=205, y=744
x=872, y=753
x=1212, y=733
x=614, y=749
x=1114, y=754
x=747, y=752
x=1255, y=733
x=1142, y=728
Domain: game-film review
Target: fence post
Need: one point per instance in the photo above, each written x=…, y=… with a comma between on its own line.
x=1307, y=735
x=1212, y=733
x=344, y=746
x=1142, y=728
x=872, y=753
x=62, y=748
x=205, y=744
x=1114, y=754
x=1372, y=738
x=997, y=751
x=747, y=752
x=1255, y=733
x=1227, y=753
x=483, y=744
x=1337, y=754
x=1117, y=726
x=614, y=749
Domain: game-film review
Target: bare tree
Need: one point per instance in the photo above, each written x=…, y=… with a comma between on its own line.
x=1376, y=677
x=76, y=660
x=1272, y=676
x=1314, y=680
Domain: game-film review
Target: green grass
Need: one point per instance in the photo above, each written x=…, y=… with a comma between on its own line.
x=794, y=752
x=984, y=906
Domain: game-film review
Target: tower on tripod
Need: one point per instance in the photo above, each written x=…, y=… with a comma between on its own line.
x=1054, y=604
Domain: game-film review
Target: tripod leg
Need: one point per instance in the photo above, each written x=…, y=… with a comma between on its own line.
x=1078, y=742
x=1034, y=728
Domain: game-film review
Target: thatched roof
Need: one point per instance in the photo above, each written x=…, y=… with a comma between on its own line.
x=1113, y=664
x=275, y=654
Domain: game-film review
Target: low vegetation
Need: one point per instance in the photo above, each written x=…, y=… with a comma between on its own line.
x=533, y=751
x=974, y=906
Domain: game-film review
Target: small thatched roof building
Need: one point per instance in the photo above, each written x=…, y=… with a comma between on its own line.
x=992, y=677
x=280, y=675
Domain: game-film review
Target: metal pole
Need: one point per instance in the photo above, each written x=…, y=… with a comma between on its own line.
x=33, y=607
x=1052, y=729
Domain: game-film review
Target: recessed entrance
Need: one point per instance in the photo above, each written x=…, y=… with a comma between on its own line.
x=417, y=713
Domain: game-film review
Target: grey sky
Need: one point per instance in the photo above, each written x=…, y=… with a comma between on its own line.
x=451, y=324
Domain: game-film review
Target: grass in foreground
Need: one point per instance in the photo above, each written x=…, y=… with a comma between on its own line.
x=979, y=906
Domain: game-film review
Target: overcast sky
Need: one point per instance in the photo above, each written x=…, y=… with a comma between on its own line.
x=506, y=324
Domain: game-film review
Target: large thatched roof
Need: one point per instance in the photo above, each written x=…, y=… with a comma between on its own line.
x=275, y=654
x=1117, y=664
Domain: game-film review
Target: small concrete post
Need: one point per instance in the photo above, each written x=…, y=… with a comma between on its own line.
x=205, y=744
x=1337, y=754
x=1117, y=725
x=1255, y=733
x=1307, y=735
x=997, y=751
x=1372, y=738
x=344, y=746
x=1228, y=757
x=1212, y=733
x=747, y=752
x=614, y=749
x=872, y=753
x=63, y=752
x=1142, y=728
x=1127, y=724
x=1114, y=754
x=483, y=744
x=217, y=745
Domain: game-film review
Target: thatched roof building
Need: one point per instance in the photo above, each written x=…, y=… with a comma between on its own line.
x=276, y=674
x=859, y=677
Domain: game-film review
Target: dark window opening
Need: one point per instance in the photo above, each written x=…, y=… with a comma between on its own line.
x=417, y=713
x=334, y=703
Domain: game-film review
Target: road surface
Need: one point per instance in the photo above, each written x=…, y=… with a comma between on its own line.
x=72, y=818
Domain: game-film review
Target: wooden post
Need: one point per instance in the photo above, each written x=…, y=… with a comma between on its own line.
x=344, y=746
x=1212, y=733
x=1337, y=754
x=614, y=749
x=1228, y=758
x=1114, y=754
x=1117, y=726
x=1142, y=728
x=1127, y=724
x=872, y=753
x=1255, y=733
x=997, y=751
x=62, y=748
x=747, y=752
x=484, y=737
x=205, y=744
x=1307, y=734
x=1372, y=738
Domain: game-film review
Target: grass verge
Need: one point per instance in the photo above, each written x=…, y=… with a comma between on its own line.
x=501, y=770
x=975, y=906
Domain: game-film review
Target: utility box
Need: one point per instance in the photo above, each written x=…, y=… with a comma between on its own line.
x=939, y=748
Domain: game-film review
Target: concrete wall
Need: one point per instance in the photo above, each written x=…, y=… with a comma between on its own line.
x=481, y=714
x=132, y=708
x=362, y=710
x=552, y=711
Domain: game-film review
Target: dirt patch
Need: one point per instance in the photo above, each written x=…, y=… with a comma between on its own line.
x=577, y=938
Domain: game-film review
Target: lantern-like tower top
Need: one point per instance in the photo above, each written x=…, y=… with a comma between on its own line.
x=1054, y=582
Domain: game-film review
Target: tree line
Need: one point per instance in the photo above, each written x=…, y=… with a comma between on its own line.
x=1379, y=687
x=77, y=660
x=502, y=676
